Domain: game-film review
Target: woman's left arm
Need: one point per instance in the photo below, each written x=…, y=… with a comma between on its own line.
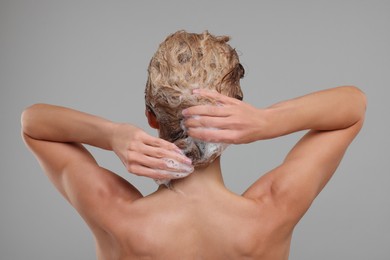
x=55, y=135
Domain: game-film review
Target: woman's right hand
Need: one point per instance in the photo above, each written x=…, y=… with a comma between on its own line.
x=230, y=121
x=145, y=155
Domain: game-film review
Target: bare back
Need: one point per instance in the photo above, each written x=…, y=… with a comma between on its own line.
x=210, y=225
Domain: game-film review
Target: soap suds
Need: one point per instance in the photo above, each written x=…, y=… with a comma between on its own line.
x=183, y=170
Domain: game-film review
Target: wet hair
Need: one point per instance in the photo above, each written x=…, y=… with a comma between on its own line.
x=183, y=62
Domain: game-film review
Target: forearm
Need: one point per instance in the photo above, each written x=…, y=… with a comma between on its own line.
x=60, y=124
x=331, y=109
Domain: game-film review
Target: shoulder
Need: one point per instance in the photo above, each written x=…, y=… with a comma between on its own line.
x=91, y=189
x=101, y=196
x=293, y=186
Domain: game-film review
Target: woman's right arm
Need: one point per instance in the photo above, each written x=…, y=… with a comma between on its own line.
x=334, y=117
x=238, y=122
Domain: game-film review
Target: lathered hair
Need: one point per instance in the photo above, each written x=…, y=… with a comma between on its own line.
x=183, y=62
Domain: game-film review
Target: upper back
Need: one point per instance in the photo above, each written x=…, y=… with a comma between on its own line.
x=222, y=225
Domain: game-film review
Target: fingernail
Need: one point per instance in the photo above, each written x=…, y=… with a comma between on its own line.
x=188, y=160
x=183, y=126
x=196, y=91
x=184, y=112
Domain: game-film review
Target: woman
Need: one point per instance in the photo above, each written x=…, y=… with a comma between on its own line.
x=193, y=98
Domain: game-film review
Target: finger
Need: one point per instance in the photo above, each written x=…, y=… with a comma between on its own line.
x=220, y=98
x=158, y=142
x=213, y=135
x=161, y=163
x=207, y=121
x=141, y=170
x=206, y=110
x=168, y=164
x=179, y=170
x=158, y=152
x=173, y=175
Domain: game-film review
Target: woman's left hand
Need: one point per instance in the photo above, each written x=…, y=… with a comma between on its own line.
x=149, y=156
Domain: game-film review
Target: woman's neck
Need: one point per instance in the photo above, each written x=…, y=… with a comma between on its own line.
x=203, y=178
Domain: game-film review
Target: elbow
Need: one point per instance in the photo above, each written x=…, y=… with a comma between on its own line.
x=27, y=118
x=361, y=96
x=360, y=100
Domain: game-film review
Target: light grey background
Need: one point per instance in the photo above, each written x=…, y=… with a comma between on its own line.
x=93, y=55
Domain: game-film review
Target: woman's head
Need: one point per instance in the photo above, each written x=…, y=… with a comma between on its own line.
x=183, y=62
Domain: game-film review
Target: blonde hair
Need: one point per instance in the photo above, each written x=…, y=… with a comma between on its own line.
x=183, y=62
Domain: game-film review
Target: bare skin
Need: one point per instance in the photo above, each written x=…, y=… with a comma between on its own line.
x=199, y=218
